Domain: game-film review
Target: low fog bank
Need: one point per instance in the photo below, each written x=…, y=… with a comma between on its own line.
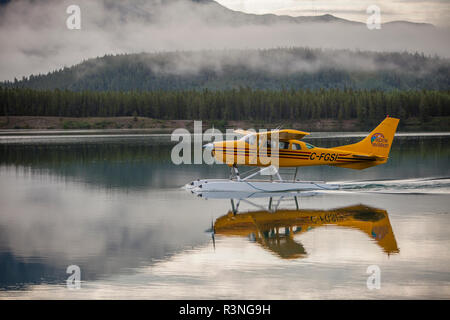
x=35, y=38
x=296, y=68
x=281, y=61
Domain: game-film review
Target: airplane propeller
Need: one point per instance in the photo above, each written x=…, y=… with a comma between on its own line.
x=213, y=232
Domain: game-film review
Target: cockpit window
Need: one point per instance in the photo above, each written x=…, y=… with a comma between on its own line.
x=250, y=139
x=309, y=146
x=271, y=144
x=296, y=146
x=283, y=145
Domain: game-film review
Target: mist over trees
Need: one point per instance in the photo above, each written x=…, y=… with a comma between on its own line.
x=275, y=69
x=264, y=85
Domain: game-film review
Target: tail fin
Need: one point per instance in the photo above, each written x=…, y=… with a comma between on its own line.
x=378, y=143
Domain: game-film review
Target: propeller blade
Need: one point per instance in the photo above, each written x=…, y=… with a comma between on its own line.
x=213, y=235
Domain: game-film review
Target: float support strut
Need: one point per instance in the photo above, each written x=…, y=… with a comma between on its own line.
x=233, y=208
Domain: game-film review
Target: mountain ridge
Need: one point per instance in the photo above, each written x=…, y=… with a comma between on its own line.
x=244, y=17
x=275, y=18
x=132, y=26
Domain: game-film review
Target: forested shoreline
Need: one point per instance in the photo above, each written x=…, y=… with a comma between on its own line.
x=366, y=106
x=258, y=87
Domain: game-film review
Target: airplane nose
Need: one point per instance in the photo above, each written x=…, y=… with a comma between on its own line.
x=209, y=146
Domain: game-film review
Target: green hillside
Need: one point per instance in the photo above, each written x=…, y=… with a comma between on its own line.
x=289, y=68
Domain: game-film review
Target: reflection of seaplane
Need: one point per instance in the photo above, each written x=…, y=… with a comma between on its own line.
x=283, y=148
x=274, y=229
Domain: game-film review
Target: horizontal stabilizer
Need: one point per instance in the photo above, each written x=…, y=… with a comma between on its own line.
x=368, y=157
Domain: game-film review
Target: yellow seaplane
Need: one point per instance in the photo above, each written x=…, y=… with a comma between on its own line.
x=276, y=232
x=273, y=149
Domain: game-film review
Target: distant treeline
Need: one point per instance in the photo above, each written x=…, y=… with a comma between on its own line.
x=368, y=106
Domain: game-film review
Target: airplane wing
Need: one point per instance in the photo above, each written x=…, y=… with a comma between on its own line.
x=286, y=134
x=242, y=132
x=283, y=135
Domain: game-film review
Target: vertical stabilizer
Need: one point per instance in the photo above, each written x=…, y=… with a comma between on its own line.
x=378, y=142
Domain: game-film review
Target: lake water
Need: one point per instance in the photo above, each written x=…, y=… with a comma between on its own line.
x=114, y=206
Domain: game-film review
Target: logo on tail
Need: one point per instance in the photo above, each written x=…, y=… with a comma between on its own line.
x=378, y=140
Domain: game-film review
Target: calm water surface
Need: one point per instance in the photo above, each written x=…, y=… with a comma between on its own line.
x=114, y=206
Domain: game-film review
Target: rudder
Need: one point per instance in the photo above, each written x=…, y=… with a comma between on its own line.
x=378, y=142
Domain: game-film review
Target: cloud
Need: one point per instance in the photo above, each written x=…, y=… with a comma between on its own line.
x=35, y=38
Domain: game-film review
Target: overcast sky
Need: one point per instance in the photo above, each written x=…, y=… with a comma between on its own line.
x=436, y=12
x=35, y=38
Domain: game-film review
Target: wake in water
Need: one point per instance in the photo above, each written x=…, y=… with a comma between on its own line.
x=431, y=185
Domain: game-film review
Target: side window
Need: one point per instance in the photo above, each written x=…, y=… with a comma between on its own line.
x=265, y=143
x=309, y=146
x=283, y=145
x=296, y=146
x=250, y=139
x=262, y=143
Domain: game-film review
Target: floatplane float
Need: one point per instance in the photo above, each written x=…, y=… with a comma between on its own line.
x=284, y=146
